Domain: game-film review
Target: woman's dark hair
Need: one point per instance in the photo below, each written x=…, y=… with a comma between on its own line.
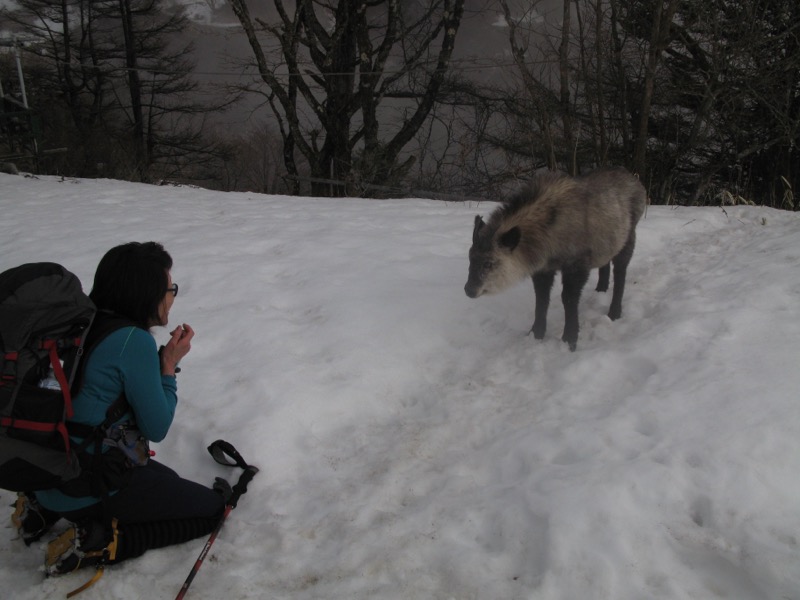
x=131, y=280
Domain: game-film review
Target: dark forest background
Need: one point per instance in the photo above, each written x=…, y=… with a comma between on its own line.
x=444, y=98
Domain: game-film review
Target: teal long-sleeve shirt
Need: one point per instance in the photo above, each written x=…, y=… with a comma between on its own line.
x=127, y=360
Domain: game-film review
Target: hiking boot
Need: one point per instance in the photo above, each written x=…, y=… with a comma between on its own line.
x=31, y=519
x=82, y=545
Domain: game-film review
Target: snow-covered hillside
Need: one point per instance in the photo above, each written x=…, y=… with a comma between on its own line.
x=416, y=444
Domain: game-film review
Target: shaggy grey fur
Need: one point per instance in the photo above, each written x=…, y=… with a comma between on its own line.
x=559, y=223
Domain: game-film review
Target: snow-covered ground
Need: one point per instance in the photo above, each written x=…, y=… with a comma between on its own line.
x=416, y=444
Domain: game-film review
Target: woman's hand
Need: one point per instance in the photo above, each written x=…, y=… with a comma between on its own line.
x=176, y=348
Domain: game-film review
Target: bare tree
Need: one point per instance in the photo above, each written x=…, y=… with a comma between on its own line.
x=735, y=74
x=538, y=92
x=162, y=104
x=345, y=61
x=564, y=68
x=663, y=12
x=115, y=67
x=593, y=62
x=713, y=95
x=78, y=76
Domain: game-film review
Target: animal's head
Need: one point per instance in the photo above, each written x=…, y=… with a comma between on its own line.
x=495, y=260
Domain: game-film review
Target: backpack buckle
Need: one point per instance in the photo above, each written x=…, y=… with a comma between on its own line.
x=9, y=366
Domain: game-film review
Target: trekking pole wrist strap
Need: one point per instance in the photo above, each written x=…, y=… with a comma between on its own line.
x=241, y=486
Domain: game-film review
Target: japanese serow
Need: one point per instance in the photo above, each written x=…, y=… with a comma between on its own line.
x=560, y=223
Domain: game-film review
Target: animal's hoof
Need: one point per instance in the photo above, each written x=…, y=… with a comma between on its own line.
x=538, y=332
x=614, y=314
x=601, y=288
x=573, y=342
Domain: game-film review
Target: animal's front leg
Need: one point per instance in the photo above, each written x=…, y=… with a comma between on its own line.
x=542, y=284
x=573, y=281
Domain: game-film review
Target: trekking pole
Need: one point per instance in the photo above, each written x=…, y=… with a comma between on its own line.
x=225, y=454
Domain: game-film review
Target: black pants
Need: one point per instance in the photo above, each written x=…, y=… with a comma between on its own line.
x=154, y=508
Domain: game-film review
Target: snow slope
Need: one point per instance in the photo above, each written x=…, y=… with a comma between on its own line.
x=416, y=444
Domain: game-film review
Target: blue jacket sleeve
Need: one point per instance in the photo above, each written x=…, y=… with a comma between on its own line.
x=151, y=396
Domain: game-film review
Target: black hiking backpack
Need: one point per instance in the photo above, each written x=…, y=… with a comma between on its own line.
x=45, y=325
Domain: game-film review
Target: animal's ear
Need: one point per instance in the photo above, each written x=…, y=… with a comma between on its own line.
x=478, y=226
x=510, y=239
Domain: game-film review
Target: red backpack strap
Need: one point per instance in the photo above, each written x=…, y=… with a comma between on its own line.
x=61, y=377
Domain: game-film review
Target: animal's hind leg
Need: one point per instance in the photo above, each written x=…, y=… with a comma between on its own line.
x=573, y=280
x=621, y=262
x=542, y=284
x=603, y=277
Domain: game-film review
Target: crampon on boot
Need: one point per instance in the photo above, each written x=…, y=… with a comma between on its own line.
x=31, y=519
x=82, y=545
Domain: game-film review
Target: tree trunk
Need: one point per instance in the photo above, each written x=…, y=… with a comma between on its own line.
x=566, y=109
x=659, y=38
x=135, y=90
